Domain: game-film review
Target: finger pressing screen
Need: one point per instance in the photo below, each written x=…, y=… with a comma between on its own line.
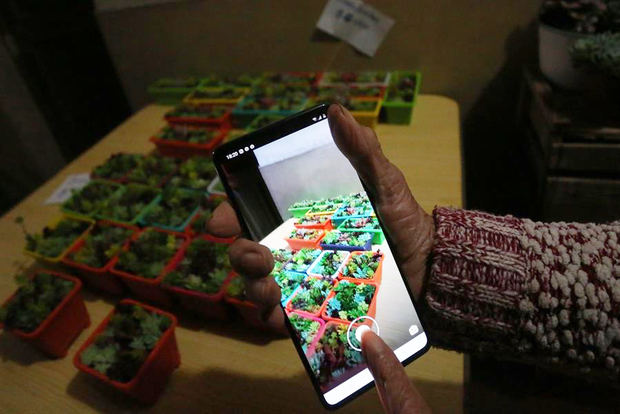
x=250, y=259
x=224, y=222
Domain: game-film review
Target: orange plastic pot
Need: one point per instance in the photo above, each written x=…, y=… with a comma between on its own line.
x=375, y=279
x=298, y=244
x=372, y=308
x=62, y=326
x=208, y=306
x=149, y=290
x=99, y=278
x=152, y=377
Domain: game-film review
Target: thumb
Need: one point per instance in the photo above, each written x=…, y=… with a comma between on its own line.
x=396, y=392
x=407, y=223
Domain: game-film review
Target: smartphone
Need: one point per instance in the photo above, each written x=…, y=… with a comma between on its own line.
x=295, y=193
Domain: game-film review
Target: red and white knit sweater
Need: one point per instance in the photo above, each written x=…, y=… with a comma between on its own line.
x=538, y=292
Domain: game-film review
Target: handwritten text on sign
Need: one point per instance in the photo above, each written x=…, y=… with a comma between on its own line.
x=355, y=22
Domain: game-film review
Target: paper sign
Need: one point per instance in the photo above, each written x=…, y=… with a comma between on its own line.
x=355, y=22
x=72, y=182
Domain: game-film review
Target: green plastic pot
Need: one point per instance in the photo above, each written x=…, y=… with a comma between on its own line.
x=400, y=113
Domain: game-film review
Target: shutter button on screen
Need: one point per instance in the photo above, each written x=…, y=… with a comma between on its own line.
x=361, y=329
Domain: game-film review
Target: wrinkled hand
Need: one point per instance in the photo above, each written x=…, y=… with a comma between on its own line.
x=408, y=225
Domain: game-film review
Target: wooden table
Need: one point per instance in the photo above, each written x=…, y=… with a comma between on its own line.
x=225, y=368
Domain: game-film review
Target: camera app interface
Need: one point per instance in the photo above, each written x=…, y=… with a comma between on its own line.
x=300, y=197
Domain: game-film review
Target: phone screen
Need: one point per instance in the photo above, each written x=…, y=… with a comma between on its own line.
x=298, y=195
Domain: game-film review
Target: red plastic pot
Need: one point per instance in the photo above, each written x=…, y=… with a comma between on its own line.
x=223, y=120
x=312, y=346
x=152, y=377
x=298, y=244
x=62, y=326
x=208, y=306
x=182, y=149
x=372, y=308
x=99, y=278
x=149, y=290
x=376, y=279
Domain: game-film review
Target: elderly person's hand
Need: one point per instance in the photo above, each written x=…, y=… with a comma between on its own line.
x=407, y=224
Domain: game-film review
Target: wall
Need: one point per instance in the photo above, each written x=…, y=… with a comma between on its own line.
x=469, y=50
x=28, y=152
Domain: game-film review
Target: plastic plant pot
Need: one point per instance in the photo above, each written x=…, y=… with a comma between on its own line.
x=111, y=188
x=184, y=149
x=88, y=225
x=292, y=78
x=118, y=172
x=359, y=79
x=154, y=170
x=348, y=371
x=290, y=306
x=62, y=326
x=216, y=188
x=215, y=96
x=243, y=114
x=98, y=277
x=169, y=91
x=146, y=289
x=376, y=278
x=152, y=377
x=341, y=215
x=316, y=268
x=307, y=256
x=330, y=246
x=294, y=278
x=145, y=221
x=299, y=212
x=337, y=93
x=323, y=210
x=310, y=347
x=200, y=115
x=398, y=111
x=206, y=305
x=378, y=236
x=298, y=244
x=326, y=223
x=372, y=307
x=369, y=117
x=122, y=198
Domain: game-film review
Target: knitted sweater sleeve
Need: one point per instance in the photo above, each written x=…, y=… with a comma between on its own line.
x=546, y=293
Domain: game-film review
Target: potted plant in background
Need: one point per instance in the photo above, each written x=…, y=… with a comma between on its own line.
x=562, y=23
x=599, y=55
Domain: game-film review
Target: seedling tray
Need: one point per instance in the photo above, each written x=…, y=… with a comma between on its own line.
x=340, y=216
x=317, y=314
x=121, y=179
x=183, y=149
x=136, y=218
x=400, y=112
x=215, y=96
x=101, y=277
x=62, y=326
x=223, y=120
x=151, y=379
x=327, y=225
x=367, y=246
x=329, y=79
x=146, y=289
x=145, y=222
x=241, y=118
x=377, y=238
x=53, y=225
x=69, y=212
x=298, y=244
x=315, y=271
x=165, y=92
x=206, y=305
x=372, y=308
x=376, y=277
